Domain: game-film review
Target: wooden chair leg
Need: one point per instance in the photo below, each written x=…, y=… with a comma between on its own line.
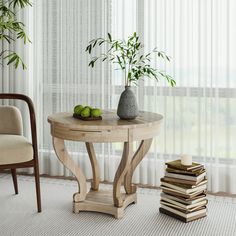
x=37, y=185
x=14, y=178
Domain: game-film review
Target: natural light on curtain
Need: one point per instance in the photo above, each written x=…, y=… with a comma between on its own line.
x=199, y=113
x=200, y=117
x=63, y=30
x=199, y=36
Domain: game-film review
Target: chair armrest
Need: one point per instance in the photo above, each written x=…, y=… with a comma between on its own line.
x=29, y=102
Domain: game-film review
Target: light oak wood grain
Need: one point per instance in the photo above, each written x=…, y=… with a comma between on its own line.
x=109, y=129
x=137, y=158
x=67, y=161
x=122, y=170
x=88, y=135
x=102, y=201
x=95, y=166
x=110, y=121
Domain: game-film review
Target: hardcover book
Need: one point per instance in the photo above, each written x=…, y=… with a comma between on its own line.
x=197, y=179
x=183, y=182
x=174, y=192
x=182, y=218
x=184, y=214
x=186, y=172
x=177, y=165
x=183, y=207
x=185, y=188
x=184, y=191
x=185, y=201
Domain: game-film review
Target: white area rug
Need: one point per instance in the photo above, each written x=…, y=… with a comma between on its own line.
x=18, y=214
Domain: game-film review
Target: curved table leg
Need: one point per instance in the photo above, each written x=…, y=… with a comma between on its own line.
x=95, y=166
x=137, y=158
x=67, y=161
x=120, y=173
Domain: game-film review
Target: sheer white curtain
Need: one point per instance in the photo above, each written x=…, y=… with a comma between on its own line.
x=62, y=77
x=199, y=113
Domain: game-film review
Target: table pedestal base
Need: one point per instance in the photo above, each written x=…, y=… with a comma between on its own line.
x=102, y=201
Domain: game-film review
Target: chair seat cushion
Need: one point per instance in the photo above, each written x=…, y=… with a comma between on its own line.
x=14, y=149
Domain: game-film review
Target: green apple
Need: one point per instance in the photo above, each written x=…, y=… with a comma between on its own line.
x=78, y=109
x=85, y=112
x=96, y=112
x=88, y=107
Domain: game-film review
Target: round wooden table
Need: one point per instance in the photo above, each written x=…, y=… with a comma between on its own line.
x=109, y=129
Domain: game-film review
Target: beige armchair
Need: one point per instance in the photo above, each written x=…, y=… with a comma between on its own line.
x=15, y=150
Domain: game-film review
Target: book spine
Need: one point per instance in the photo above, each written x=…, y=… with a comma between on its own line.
x=176, y=193
x=179, y=176
x=183, y=219
x=180, y=181
x=173, y=215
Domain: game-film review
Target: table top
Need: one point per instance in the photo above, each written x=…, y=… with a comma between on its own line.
x=110, y=120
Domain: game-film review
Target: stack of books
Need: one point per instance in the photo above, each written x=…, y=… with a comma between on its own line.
x=184, y=191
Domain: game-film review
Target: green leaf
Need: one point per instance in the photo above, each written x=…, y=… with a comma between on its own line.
x=127, y=55
x=13, y=58
x=109, y=36
x=95, y=43
x=119, y=60
x=10, y=25
x=172, y=83
x=101, y=42
x=91, y=63
x=90, y=49
x=23, y=65
x=17, y=62
x=20, y=3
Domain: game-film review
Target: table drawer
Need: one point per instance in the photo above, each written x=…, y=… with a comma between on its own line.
x=96, y=136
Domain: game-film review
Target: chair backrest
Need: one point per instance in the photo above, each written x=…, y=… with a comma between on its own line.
x=10, y=120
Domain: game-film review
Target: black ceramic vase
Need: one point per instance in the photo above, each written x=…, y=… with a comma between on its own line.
x=127, y=107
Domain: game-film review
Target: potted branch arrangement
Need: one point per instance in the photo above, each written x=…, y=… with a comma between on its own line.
x=12, y=30
x=135, y=64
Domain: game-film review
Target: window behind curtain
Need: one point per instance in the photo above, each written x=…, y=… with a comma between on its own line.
x=200, y=117
x=199, y=36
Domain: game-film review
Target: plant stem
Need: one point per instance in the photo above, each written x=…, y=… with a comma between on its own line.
x=125, y=77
